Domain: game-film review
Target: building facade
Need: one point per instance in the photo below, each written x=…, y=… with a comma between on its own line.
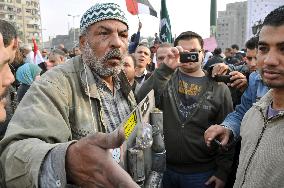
x=69, y=41
x=232, y=25
x=257, y=10
x=25, y=15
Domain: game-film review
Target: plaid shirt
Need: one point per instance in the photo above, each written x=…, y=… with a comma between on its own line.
x=115, y=106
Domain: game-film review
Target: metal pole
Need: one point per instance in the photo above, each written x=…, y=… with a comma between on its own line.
x=74, y=30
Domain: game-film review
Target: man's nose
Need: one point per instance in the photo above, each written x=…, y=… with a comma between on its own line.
x=116, y=41
x=271, y=58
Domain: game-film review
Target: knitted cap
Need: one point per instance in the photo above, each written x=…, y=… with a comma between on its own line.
x=102, y=11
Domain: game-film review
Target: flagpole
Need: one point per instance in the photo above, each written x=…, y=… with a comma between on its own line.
x=136, y=11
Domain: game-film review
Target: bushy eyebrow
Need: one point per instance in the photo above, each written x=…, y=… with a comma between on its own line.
x=262, y=43
x=279, y=44
x=109, y=29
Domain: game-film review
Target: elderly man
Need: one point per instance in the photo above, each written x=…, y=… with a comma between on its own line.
x=80, y=100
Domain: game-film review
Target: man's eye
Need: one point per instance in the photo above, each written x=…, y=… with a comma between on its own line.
x=263, y=49
x=124, y=35
x=103, y=33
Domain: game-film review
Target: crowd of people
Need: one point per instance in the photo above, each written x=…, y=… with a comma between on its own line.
x=223, y=113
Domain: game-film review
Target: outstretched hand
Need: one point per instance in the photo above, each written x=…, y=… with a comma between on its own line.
x=217, y=132
x=89, y=162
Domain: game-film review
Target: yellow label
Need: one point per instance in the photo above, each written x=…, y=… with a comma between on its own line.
x=130, y=125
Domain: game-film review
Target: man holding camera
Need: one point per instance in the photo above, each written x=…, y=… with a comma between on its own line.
x=190, y=101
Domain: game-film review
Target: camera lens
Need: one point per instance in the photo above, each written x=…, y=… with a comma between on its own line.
x=193, y=57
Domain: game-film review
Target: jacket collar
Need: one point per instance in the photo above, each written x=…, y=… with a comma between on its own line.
x=264, y=102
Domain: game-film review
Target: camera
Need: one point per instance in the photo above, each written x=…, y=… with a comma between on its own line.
x=223, y=78
x=186, y=57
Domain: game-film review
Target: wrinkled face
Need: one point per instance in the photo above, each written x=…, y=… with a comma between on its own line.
x=128, y=68
x=104, y=46
x=161, y=54
x=142, y=55
x=251, y=59
x=270, y=56
x=6, y=77
x=192, y=45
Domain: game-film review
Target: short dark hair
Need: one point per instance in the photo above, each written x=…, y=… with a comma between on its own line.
x=132, y=57
x=235, y=46
x=8, y=31
x=252, y=43
x=187, y=35
x=275, y=17
x=217, y=51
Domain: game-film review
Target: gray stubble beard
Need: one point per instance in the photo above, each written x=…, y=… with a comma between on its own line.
x=97, y=65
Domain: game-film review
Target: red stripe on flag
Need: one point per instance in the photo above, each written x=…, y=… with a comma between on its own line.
x=35, y=48
x=132, y=6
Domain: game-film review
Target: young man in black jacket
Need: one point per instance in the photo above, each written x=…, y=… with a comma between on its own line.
x=191, y=101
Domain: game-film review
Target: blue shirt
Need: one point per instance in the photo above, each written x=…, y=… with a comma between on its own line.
x=256, y=89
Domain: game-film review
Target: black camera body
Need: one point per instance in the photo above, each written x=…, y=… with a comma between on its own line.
x=223, y=78
x=186, y=57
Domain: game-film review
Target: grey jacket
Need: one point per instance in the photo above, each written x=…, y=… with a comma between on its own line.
x=261, y=158
x=55, y=110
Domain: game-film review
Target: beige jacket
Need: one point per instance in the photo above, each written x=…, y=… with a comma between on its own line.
x=261, y=159
x=55, y=110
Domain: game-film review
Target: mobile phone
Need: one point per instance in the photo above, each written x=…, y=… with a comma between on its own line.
x=186, y=57
x=223, y=78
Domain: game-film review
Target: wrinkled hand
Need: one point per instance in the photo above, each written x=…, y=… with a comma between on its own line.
x=4, y=55
x=238, y=80
x=89, y=162
x=217, y=131
x=216, y=182
x=220, y=69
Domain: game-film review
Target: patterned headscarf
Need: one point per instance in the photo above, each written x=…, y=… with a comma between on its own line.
x=26, y=73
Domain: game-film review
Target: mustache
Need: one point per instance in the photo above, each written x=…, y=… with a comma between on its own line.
x=271, y=70
x=114, y=53
x=6, y=92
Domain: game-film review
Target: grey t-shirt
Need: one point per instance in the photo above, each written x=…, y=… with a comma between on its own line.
x=189, y=90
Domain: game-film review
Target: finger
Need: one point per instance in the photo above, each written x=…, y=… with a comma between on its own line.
x=211, y=180
x=210, y=134
x=180, y=49
x=175, y=51
x=110, y=140
x=119, y=177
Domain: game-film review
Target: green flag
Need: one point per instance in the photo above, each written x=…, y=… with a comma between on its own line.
x=165, y=24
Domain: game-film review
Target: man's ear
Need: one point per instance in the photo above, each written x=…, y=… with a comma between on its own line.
x=15, y=43
x=82, y=40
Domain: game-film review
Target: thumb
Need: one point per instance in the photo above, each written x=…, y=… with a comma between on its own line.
x=110, y=140
x=211, y=180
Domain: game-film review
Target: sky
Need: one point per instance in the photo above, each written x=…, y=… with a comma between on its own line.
x=184, y=15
